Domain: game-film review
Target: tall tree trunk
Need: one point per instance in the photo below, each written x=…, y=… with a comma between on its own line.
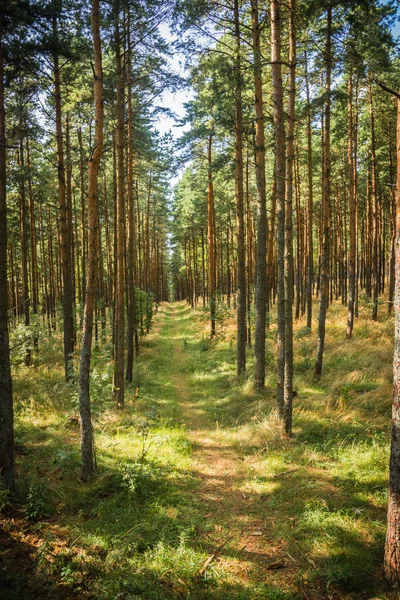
x=288, y=376
x=375, y=210
x=87, y=449
x=120, y=245
x=279, y=133
x=392, y=211
x=131, y=228
x=64, y=233
x=262, y=226
x=70, y=228
x=310, y=248
x=83, y=218
x=326, y=198
x=241, y=262
x=7, y=471
x=24, y=250
x=211, y=238
x=33, y=241
x=392, y=546
x=352, y=208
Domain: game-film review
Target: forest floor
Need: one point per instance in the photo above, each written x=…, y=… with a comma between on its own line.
x=198, y=494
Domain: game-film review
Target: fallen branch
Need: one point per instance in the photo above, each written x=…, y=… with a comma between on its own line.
x=210, y=558
x=303, y=591
x=206, y=564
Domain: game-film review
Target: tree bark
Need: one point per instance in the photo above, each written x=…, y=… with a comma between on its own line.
x=67, y=299
x=131, y=229
x=262, y=224
x=211, y=237
x=241, y=261
x=310, y=248
x=326, y=198
x=7, y=470
x=24, y=250
x=87, y=449
x=288, y=266
x=279, y=133
x=375, y=210
x=352, y=209
x=392, y=546
x=33, y=241
x=120, y=246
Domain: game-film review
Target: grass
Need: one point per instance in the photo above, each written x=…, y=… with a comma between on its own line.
x=196, y=465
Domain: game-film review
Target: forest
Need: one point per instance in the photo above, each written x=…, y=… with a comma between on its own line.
x=200, y=299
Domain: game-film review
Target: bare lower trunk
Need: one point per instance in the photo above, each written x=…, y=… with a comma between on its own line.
x=392, y=546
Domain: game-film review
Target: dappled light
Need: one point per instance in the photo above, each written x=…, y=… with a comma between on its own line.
x=196, y=470
x=199, y=300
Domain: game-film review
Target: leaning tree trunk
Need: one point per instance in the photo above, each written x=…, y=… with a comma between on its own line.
x=88, y=461
x=262, y=225
x=392, y=547
x=279, y=133
x=326, y=198
x=6, y=399
x=241, y=262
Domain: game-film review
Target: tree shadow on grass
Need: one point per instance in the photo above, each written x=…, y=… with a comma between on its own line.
x=19, y=576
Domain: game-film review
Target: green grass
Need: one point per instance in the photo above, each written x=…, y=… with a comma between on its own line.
x=139, y=527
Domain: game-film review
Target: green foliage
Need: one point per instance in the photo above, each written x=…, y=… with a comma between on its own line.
x=21, y=340
x=142, y=479
x=144, y=309
x=36, y=506
x=139, y=528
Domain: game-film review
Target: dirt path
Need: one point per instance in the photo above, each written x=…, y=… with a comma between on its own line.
x=236, y=533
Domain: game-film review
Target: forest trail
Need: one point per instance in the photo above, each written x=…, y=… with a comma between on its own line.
x=236, y=531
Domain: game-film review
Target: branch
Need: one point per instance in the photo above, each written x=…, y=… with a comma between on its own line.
x=387, y=89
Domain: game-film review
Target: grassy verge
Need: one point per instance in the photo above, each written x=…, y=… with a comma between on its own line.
x=140, y=528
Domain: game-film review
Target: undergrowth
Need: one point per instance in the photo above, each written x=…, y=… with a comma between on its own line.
x=137, y=529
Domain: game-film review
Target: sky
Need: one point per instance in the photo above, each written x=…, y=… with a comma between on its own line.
x=173, y=100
